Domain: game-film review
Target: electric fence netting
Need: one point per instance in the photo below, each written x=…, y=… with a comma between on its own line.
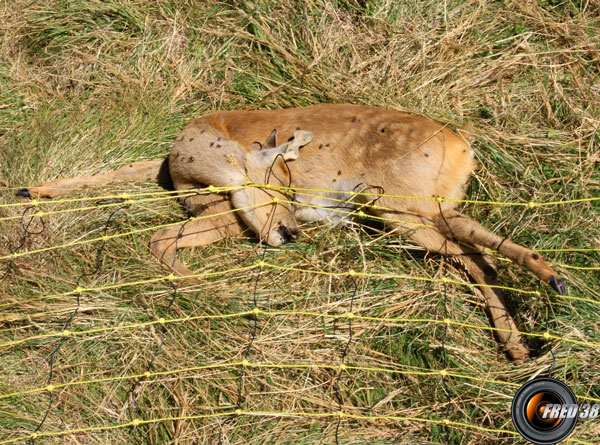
x=345, y=336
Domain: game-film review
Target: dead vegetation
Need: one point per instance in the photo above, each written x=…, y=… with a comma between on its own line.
x=87, y=87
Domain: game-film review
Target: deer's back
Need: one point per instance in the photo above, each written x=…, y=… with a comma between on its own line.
x=403, y=153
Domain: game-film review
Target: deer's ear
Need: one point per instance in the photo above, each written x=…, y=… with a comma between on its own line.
x=254, y=147
x=288, y=151
x=301, y=138
x=271, y=141
x=265, y=157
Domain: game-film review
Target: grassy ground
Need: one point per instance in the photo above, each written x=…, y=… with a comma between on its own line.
x=88, y=86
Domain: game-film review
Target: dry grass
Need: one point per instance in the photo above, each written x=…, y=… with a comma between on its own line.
x=86, y=87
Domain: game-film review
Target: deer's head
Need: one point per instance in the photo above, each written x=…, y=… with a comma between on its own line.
x=266, y=211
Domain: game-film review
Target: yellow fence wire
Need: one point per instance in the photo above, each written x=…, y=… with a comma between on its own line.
x=151, y=197
x=299, y=190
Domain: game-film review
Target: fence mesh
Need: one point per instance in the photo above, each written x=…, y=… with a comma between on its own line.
x=313, y=360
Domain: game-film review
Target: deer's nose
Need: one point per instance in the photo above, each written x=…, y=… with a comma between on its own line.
x=287, y=234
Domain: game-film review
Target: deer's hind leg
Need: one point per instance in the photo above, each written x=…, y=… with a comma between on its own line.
x=481, y=269
x=215, y=221
x=135, y=171
x=457, y=226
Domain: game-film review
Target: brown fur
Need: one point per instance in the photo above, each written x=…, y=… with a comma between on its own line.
x=329, y=147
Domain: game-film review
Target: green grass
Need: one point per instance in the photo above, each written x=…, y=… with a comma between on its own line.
x=86, y=87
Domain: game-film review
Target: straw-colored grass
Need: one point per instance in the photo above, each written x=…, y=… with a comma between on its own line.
x=88, y=86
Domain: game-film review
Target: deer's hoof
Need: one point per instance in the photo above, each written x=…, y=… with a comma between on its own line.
x=518, y=352
x=558, y=284
x=24, y=193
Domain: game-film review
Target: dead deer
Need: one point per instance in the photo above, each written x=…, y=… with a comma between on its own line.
x=337, y=149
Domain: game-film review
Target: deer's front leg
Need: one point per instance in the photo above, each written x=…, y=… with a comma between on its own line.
x=216, y=222
x=136, y=171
